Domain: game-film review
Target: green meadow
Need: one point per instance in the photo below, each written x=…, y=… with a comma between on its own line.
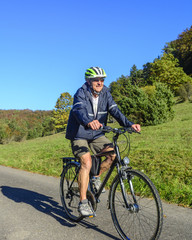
x=163, y=152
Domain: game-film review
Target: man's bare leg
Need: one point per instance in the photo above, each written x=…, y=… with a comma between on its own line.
x=83, y=179
x=106, y=164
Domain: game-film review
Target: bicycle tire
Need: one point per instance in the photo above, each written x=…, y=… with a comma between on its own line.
x=143, y=220
x=70, y=193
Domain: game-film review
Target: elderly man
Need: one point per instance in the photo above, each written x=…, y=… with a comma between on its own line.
x=92, y=103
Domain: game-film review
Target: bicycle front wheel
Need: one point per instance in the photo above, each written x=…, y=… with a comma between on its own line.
x=136, y=207
x=69, y=191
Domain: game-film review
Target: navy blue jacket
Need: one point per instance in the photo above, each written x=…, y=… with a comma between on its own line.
x=82, y=113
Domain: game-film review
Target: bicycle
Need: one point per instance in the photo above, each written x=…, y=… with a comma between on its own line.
x=133, y=200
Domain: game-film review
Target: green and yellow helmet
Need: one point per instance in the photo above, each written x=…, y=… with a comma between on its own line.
x=94, y=72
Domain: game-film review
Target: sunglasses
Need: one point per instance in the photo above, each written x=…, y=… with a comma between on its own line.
x=98, y=79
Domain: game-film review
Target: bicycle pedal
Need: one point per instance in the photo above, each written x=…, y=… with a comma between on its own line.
x=92, y=216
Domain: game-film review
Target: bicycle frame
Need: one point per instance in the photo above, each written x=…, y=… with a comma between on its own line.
x=116, y=163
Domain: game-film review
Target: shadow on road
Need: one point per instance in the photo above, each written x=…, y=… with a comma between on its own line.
x=39, y=201
x=46, y=205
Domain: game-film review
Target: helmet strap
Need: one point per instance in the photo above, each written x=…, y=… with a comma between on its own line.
x=95, y=92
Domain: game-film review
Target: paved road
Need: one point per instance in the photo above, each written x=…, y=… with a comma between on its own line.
x=30, y=209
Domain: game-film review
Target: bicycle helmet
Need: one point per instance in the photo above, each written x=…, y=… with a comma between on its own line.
x=94, y=72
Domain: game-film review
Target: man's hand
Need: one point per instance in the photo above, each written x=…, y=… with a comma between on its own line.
x=136, y=127
x=94, y=125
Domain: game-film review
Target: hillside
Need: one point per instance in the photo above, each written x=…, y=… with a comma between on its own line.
x=19, y=125
x=163, y=152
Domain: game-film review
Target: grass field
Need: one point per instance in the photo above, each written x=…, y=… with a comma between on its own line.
x=163, y=152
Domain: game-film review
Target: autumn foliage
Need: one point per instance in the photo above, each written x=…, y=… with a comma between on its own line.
x=62, y=110
x=18, y=125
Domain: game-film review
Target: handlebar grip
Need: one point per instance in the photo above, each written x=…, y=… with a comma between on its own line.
x=131, y=130
x=135, y=131
x=106, y=129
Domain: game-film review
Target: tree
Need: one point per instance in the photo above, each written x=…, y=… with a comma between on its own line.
x=147, y=80
x=61, y=113
x=181, y=48
x=117, y=88
x=136, y=76
x=167, y=70
x=64, y=102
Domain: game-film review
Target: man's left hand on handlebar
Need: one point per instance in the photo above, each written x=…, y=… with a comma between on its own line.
x=136, y=127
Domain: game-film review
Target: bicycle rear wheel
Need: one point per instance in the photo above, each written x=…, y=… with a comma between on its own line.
x=137, y=213
x=69, y=191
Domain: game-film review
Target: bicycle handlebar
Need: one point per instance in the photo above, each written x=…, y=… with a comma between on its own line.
x=119, y=131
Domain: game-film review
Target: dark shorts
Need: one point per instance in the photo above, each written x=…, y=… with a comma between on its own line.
x=82, y=146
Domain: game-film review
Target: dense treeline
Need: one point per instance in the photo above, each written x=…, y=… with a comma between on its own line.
x=18, y=125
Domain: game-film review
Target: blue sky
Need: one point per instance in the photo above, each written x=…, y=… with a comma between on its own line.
x=46, y=45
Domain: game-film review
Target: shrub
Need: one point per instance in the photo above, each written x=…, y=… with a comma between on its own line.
x=149, y=90
x=185, y=92
x=35, y=132
x=150, y=105
x=5, y=133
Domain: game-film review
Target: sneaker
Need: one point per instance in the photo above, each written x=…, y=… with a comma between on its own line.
x=85, y=209
x=97, y=183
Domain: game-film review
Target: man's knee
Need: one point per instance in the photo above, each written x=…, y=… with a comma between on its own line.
x=111, y=155
x=86, y=161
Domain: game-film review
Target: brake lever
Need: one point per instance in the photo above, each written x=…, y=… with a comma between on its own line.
x=135, y=131
x=131, y=130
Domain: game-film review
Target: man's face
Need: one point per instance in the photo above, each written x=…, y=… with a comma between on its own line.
x=97, y=84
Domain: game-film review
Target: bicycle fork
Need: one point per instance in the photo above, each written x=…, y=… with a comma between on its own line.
x=132, y=207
